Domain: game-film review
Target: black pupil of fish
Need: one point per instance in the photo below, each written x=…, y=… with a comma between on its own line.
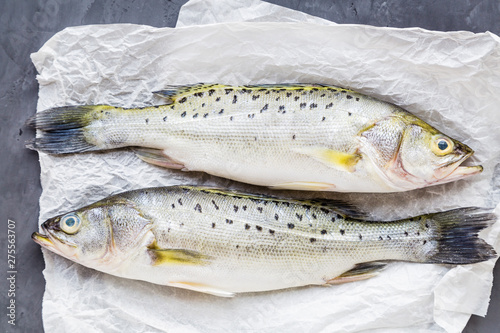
x=442, y=145
x=70, y=222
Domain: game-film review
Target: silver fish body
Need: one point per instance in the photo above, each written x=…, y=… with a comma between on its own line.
x=223, y=243
x=295, y=136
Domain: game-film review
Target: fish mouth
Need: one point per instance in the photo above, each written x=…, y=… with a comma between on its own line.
x=454, y=171
x=42, y=240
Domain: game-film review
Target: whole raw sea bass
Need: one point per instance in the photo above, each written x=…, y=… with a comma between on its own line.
x=223, y=243
x=293, y=136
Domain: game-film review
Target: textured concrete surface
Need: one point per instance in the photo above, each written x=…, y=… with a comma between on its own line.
x=26, y=25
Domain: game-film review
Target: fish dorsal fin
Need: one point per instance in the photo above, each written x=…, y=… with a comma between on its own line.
x=340, y=207
x=176, y=92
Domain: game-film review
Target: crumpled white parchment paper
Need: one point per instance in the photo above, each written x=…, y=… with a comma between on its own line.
x=451, y=80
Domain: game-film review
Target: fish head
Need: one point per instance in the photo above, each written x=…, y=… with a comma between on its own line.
x=99, y=236
x=411, y=154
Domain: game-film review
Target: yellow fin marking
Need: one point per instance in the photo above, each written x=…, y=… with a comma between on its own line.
x=177, y=257
x=336, y=159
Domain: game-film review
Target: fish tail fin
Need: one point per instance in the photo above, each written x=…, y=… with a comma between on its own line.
x=457, y=236
x=63, y=129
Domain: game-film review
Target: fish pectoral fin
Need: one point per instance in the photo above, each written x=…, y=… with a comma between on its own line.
x=360, y=271
x=304, y=186
x=202, y=288
x=157, y=157
x=332, y=158
x=161, y=257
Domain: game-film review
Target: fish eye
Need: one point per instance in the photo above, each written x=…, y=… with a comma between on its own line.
x=442, y=146
x=70, y=224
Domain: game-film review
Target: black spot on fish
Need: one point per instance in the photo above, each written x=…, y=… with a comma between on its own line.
x=324, y=210
x=183, y=114
x=251, y=115
x=349, y=114
x=198, y=94
x=298, y=216
x=296, y=98
x=328, y=106
x=236, y=208
x=342, y=231
x=282, y=107
x=406, y=233
x=258, y=227
x=205, y=115
x=315, y=89
x=360, y=237
x=322, y=95
x=211, y=92
x=323, y=232
x=228, y=90
x=424, y=242
x=277, y=98
x=197, y=207
x=264, y=108
x=213, y=225
x=180, y=201
x=323, y=119
x=349, y=97
x=215, y=205
x=293, y=137
x=247, y=226
x=221, y=111
x=343, y=91
x=235, y=99
x=303, y=105
x=165, y=118
x=334, y=90
x=217, y=99
x=255, y=97
x=291, y=225
x=380, y=238
x=202, y=105
x=314, y=216
x=427, y=225
x=147, y=120
x=237, y=246
x=244, y=207
x=276, y=217
x=243, y=90
x=195, y=115
x=418, y=233
x=260, y=209
x=267, y=92
x=231, y=118
x=306, y=206
x=156, y=106
x=313, y=105
x=182, y=100
x=173, y=206
x=357, y=99
x=288, y=94
x=229, y=221
x=271, y=231
x=312, y=240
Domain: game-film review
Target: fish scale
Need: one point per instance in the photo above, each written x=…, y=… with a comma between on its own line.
x=223, y=242
x=295, y=136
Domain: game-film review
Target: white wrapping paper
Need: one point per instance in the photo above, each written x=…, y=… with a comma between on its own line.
x=451, y=80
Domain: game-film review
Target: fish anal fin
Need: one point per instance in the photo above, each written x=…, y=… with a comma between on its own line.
x=161, y=257
x=332, y=158
x=305, y=186
x=157, y=157
x=202, y=288
x=362, y=271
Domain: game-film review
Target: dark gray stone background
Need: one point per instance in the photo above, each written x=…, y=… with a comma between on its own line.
x=26, y=25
